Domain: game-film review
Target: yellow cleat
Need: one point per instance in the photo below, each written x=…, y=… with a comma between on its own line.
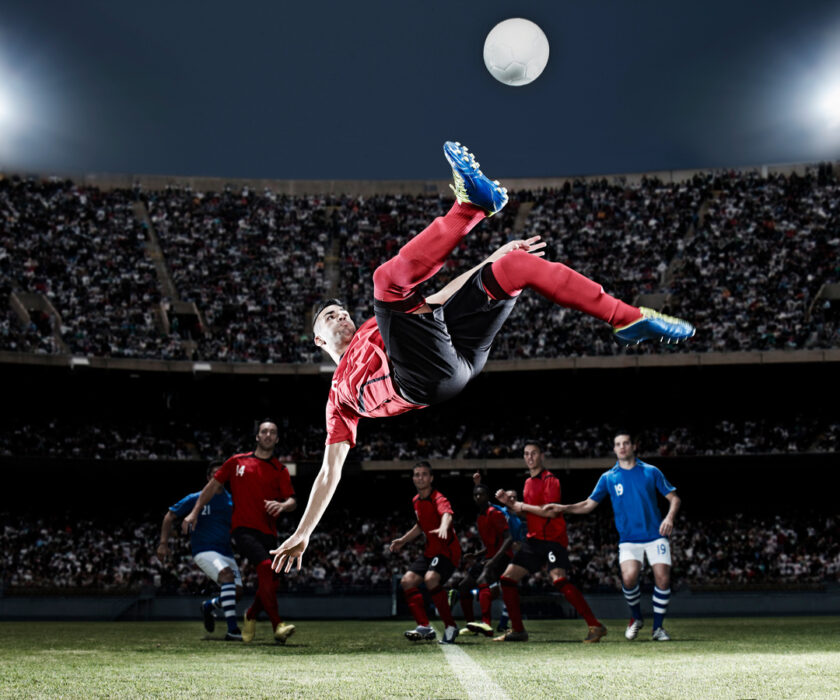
x=283, y=632
x=249, y=629
x=595, y=634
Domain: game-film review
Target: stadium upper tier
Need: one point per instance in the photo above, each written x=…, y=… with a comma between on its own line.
x=752, y=258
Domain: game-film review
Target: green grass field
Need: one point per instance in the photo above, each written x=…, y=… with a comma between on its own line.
x=714, y=658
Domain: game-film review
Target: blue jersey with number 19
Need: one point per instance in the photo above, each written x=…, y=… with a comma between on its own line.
x=633, y=495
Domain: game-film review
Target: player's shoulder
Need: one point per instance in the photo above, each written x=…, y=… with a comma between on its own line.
x=646, y=467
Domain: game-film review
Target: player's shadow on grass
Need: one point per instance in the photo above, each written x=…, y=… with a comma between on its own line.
x=257, y=643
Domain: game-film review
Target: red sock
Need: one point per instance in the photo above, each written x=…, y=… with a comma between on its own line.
x=424, y=254
x=485, y=600
x=267, y=591
x=510, y=594
x=577, y=601
x=562, y=285
x=438, y=596
x=414, y=598
x=255, y=609
x=467, y=606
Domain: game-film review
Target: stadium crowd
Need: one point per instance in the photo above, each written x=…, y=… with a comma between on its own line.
x=351, y=554
x=741, y=255
x=402, y=440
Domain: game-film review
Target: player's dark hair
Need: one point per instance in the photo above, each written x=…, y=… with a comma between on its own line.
x=535, y=443
x=625, y=431
x=321, y=305
x=213, y=467
x=422, y=463
x=266, y=420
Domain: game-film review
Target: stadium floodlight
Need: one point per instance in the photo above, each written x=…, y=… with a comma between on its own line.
x=828, y=105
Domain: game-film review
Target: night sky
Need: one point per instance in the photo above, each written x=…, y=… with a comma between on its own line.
x=370, y=90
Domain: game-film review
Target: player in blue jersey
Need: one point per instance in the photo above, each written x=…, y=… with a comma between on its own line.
x=212, y=552
x=632, y=485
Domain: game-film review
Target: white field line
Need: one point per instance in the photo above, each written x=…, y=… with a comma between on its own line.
x=472, y=677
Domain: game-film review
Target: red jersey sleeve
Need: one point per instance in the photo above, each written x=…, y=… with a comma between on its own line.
x=442, y=504
x=341, y=425
x=225, y=472
x=498, y=522
x=285, y=485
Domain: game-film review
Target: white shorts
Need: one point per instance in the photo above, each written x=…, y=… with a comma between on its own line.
x=211, y=563
x=657, y=551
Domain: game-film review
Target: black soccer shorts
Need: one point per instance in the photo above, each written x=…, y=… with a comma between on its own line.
x=535, y=554
x=435, y=355
x=442, y=565
x=253, y=545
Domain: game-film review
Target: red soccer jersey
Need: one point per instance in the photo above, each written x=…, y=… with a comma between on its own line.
x=492, y=529
x=362, y=386
x=539, y=490
x=253, y=481
x=429, y=512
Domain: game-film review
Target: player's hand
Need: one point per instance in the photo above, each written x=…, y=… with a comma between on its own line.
x=396, y=545
x=163, y=551
x=476, y=478
x=273, y=508
x=666, y=527
x=529, y=245
x=505, y=498
x=555, y=508
x=188, y=525
x=290, y=552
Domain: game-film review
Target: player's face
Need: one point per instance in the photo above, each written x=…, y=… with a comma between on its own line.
x=480, y=497
x=267, y=436
x=533, y=457
x=422, y=479
x=334, y=327
x=623, y=447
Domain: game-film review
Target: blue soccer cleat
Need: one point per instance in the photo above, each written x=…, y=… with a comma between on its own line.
x=654, y=326
x=471, y=185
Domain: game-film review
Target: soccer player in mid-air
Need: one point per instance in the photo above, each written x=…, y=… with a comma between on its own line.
x=262, y=489
x=632, y=485
x=441, y=556
x=416, y=352
x=212, y=553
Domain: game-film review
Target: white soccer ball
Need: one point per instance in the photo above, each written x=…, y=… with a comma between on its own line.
x=516, y=51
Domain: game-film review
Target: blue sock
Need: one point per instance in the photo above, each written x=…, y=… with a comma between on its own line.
x=660, y=605
x=228, y=602
x=633, y=596
x=215, y=602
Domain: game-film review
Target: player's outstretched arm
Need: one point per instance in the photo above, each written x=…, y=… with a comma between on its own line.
x=667, y=525
x=212, y=488
x=397, y=544
x=579, y=508
x=290, y=553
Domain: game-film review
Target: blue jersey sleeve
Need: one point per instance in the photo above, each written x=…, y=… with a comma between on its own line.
x=601, y=491
x=185, y=505
x=662, y=484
